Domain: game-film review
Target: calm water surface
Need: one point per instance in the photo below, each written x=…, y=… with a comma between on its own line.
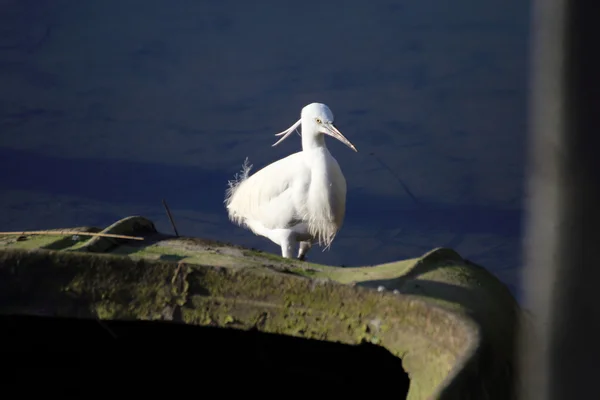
x=109, y=106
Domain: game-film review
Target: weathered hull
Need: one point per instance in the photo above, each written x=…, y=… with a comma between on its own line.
x=450, y=322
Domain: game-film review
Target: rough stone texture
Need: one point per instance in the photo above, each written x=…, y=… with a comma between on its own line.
x=450, y=321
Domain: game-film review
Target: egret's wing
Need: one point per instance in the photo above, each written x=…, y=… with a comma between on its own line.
x=273, y=195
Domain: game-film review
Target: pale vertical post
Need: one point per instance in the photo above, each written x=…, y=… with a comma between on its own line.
x=562, y=247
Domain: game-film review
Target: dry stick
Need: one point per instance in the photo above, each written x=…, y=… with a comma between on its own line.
x=170, y=217
x=25, y=233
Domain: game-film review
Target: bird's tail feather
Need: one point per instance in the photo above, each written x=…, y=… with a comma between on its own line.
x=238, y=178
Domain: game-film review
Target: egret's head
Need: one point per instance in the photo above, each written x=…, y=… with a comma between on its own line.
x=316, y=119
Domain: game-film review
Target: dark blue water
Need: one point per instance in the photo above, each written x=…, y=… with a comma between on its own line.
x=107, y=107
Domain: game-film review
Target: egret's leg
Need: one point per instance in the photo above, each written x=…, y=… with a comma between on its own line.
x=287, y=246
x=304, y=248
x=286, y=238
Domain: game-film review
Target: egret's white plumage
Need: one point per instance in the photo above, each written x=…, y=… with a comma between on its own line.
x=300, y=198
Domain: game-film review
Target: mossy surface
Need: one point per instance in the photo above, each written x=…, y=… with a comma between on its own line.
x=28, y=242
x=450, y=321
x=47, y=241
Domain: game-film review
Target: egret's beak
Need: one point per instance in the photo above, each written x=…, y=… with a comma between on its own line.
x=287, y=132
x=332, y=131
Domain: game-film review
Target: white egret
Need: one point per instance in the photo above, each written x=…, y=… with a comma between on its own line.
x=300, y=198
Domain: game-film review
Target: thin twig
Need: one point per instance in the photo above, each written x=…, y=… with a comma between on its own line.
x=58, y=233
x=170, y=217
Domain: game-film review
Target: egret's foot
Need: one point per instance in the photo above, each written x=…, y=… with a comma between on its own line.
x=286, y=251
x=304, y=248
x=287, y=247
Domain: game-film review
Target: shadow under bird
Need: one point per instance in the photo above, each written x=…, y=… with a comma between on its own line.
x=300, y=198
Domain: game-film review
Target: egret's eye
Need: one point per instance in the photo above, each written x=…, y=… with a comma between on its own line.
x=318, y=120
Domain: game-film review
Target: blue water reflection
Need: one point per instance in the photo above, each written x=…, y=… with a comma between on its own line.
x=106, y=108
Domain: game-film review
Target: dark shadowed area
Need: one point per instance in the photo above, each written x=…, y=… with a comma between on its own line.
x=251, y=353
x=107, y=107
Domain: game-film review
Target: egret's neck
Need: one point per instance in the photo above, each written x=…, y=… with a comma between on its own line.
x=310, y=141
